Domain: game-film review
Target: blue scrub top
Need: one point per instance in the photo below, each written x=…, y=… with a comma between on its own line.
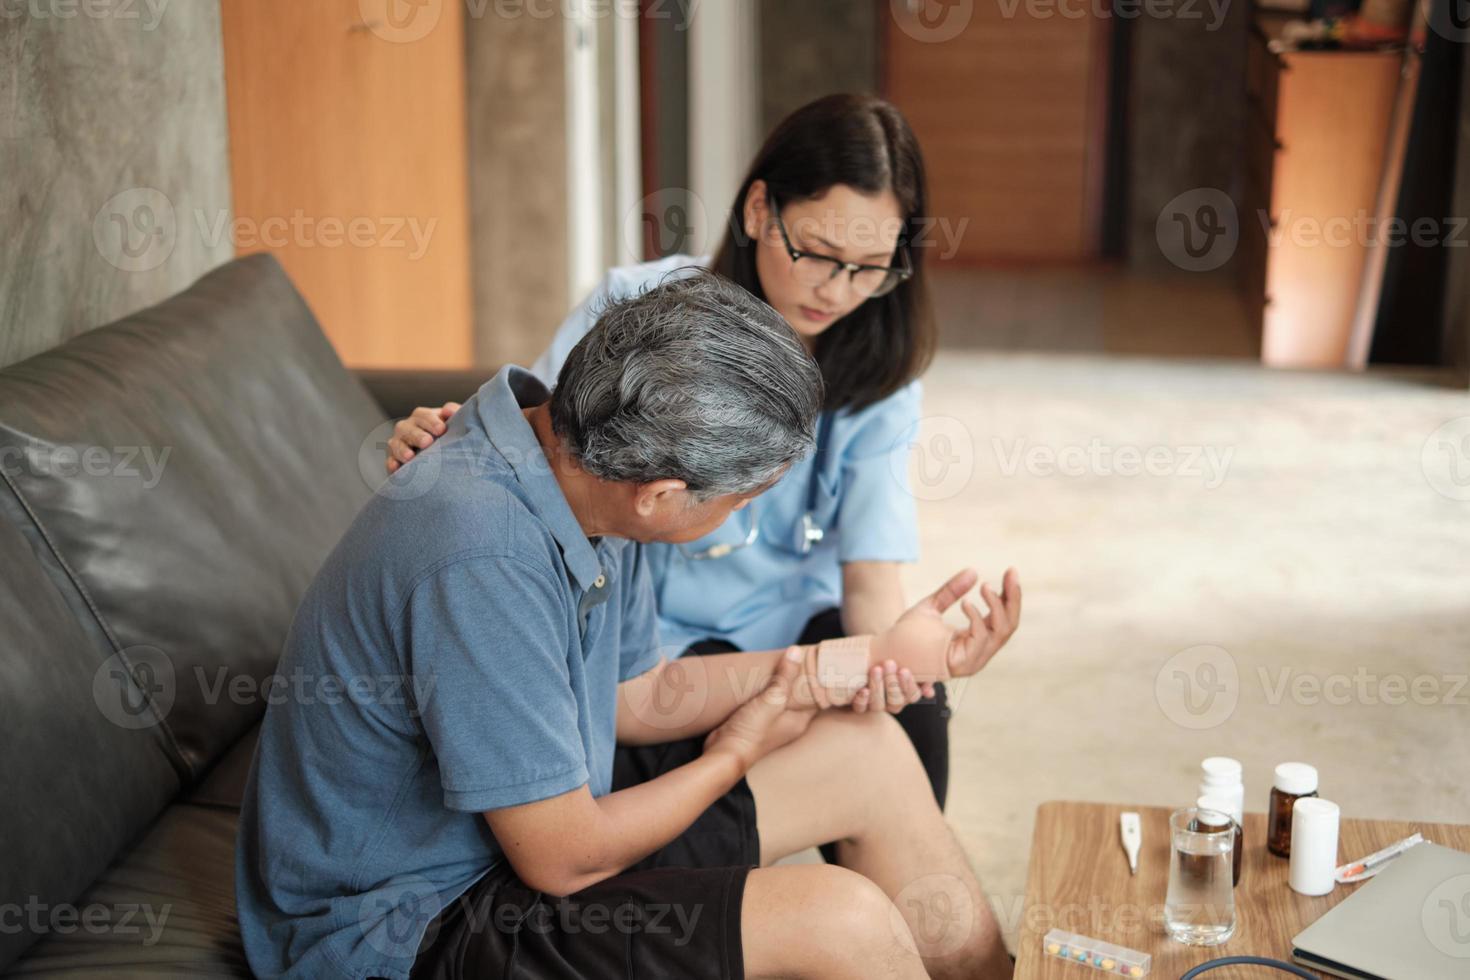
x=760, y=597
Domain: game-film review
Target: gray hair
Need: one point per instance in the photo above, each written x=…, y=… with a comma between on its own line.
x=694, y=379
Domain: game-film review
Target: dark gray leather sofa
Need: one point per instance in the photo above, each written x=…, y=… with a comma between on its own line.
x=171, y=483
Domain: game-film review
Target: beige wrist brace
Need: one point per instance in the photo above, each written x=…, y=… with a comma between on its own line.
x=836, y=670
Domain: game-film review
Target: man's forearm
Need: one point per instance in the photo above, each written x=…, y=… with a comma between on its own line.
x=692, y=695
x=695, y=694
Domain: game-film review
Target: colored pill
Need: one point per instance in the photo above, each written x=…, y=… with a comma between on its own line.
x=1107, y=964
x=1081, y=956
x=1053, y=949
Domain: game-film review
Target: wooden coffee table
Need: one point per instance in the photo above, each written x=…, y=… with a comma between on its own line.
x=1079, y=881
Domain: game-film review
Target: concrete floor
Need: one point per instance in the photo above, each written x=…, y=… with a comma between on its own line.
x=1294, y=533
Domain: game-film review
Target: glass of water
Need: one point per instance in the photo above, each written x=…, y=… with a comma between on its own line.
x=1200, y=907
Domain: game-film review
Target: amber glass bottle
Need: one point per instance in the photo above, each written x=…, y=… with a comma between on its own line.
x=1293, y=781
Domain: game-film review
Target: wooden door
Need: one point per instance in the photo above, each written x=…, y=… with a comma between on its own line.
x=1323, y=194
x=347, y=149
x=1010, y=108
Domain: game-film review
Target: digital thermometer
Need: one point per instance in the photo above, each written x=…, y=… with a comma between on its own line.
x=1132, y=832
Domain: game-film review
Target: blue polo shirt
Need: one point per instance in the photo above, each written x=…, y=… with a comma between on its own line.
x=458, y=652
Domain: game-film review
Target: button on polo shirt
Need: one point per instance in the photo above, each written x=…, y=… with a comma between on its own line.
x=486, y=636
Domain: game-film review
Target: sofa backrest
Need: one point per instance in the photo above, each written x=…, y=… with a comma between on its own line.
x=78, y=786
x=171, y=483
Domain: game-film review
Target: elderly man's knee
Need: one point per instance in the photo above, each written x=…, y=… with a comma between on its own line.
x=823, y=921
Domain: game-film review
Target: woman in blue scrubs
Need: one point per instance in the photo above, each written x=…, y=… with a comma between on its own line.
x=828, y=228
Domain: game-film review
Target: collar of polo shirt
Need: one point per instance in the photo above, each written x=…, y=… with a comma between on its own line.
x=508, y=392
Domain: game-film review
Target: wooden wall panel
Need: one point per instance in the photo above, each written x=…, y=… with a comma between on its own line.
x=1009, y=113
x=348, y=158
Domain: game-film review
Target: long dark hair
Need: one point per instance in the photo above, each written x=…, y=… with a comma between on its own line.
x=865, y=143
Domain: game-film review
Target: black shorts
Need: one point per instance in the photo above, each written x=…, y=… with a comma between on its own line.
x=676, y=914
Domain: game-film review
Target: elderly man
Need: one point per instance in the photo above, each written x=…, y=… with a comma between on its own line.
x=469, y=828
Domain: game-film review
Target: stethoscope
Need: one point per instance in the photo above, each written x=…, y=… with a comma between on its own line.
x=809, y=533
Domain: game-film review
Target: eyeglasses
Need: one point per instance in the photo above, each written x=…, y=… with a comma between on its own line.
x=867, y=281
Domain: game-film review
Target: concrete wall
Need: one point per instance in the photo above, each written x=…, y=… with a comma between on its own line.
x=813, y=48
x=112, y=145
x=1186, y=118
x=516, y=89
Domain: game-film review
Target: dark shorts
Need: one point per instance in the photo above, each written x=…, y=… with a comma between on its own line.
x=676, y=914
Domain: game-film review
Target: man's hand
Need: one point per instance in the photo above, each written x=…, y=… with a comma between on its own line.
x=923, y=630
x=417, y=433
x=765, y=722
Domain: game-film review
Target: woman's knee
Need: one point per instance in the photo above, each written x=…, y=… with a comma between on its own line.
x=876, y=738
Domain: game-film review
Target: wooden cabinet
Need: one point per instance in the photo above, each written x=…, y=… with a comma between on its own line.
x=348, y=158
x=1317, y=133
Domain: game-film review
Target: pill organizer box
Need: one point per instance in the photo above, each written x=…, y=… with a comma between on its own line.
x=1104, y=957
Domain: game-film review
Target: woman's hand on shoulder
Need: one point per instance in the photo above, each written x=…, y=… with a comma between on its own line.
x=416, y=433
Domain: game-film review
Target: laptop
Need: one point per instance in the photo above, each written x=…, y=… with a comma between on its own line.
x=1410, y=922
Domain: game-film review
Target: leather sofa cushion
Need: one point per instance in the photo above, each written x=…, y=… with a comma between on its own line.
x=78, y=786
x=167, y=908
x=186, y=470
x=224, y=785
